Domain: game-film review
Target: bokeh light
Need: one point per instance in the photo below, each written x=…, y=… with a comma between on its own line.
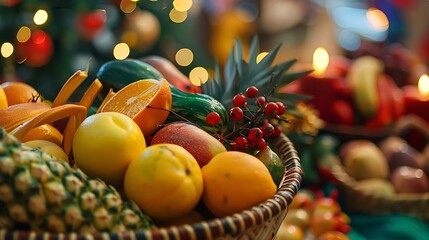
x=320, y=60
x=377, y=19
x=182, y=5
x=23, y=34
x=127, y=6
x=261, y=56
x=198, y=76
x=423, y=85
x=176, y=16
x=6, y=49
x=40, y=17
x=184, y=57
x=121, y=51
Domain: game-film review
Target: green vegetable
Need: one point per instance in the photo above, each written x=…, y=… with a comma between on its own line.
x=186, y=106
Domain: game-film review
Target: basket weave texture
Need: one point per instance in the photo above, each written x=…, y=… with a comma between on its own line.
x=354, y=200
x=260, y=222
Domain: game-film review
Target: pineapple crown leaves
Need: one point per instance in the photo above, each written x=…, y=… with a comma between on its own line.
x=239, y=74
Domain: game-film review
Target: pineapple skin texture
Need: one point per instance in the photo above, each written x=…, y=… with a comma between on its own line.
x=42, y=194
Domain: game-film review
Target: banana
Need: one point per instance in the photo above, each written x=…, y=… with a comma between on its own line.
x=362, y=79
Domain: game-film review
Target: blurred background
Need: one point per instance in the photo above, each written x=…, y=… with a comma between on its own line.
x=45, y=42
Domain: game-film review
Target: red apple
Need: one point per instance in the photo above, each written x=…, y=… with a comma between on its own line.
x=409, y=180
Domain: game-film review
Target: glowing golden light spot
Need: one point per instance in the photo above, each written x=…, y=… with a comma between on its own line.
x=261, y=56
x=127, y=6
x=40, y=17
x=377, y=19
x=198, y=76
x=24, y=33
x=423, y=85
x=6, y=49
x=182, y=5
x=184, y=57
x=121, y=51
x=176, y=16
x=320, y=61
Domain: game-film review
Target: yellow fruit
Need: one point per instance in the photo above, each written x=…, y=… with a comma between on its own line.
x=3, y=99
x=104, y=145
x=235, y=181
x=165, y=181
x=44, y=132
x=50, y=148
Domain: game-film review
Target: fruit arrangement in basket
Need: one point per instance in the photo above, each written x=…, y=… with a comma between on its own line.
x=153, y=153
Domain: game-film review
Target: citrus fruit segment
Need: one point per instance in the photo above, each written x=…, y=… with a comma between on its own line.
x=235, y=181
x=165, y=181
x=133, y=100
x=105, y=143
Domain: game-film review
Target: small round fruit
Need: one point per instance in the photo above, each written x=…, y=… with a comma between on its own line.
x=235, y=181
x=252, y=91
x=104, y=145
x=165, y=181
x=239, y=100
x=236, y=114
x=212, y=118
x=50, y=148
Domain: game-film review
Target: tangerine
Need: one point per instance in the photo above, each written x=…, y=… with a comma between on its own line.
x=235, y=181
x=20, y=92
x=44, y=132
x=165, y=181
x=133, y=100
x=3, y=99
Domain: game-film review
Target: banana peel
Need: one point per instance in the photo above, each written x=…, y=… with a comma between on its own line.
x=362, y=79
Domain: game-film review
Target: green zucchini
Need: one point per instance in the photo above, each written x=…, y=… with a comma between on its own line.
x=192, y=107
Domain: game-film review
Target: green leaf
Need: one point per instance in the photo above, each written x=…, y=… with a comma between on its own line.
x=238, y=57
x=230, y=71
x=290, y=77
x=283, y=67
x=269, y=58
x=254, y=50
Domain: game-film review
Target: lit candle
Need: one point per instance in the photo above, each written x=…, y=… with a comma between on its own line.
x=416, y=98
x=325, y=89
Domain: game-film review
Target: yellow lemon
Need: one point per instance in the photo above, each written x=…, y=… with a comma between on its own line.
x=165, y=181
x=50, y=148
x=104, y=145
x=235, y=181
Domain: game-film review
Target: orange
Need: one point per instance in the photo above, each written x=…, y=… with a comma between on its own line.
x=165, y=181
x=3, y=99
x=105, y=144
x=55, y=151
x=44, y=132
x=133, y=100
x=20, y=92
x=235, y=181
x=14, y=115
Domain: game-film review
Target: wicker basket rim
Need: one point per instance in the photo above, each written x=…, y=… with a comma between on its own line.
x=232, y=226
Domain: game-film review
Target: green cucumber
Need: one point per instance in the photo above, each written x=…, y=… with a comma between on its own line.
x=192, y=107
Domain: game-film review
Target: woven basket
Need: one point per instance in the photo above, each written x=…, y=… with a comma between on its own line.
x=260, y=222
x=354, y=200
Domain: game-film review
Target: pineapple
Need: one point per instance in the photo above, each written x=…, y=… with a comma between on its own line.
x=42, y=194
x=240, y=74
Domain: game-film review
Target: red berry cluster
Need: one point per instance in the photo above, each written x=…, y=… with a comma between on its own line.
x=251, y=126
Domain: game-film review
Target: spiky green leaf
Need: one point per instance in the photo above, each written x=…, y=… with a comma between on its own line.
x=254, y=50
x=290, y=77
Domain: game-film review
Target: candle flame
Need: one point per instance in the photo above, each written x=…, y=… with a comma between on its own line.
x=320, y=61
x=423, y=85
